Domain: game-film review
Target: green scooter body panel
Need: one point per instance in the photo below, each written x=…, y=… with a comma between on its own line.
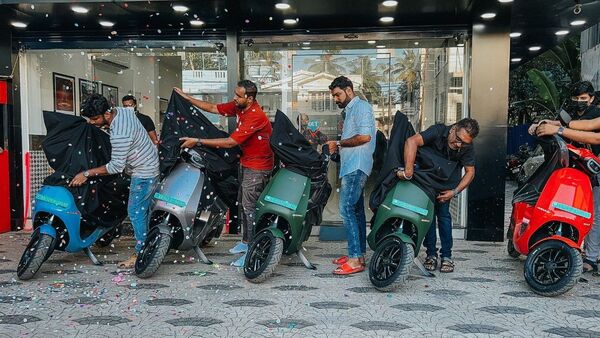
x=407, y=202
x=286, y=195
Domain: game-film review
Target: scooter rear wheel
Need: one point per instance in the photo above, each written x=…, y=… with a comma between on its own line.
x=263, y=256
x=390, y=264
x=153, y=253
x=38, y=250
x=553, y=268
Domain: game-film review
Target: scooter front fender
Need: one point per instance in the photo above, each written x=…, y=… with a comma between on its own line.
x=556, y=238
x=276, y=232
x=47, y=229
x=403, y=237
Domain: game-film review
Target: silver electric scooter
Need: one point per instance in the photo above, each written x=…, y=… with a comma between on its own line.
x=186, y=214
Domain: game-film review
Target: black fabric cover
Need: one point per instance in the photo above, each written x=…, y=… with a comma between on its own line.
x=182, y=119
x=433, y=172
x=293, y=149
x=72, y=146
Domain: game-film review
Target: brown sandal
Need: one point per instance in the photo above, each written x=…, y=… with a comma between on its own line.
x=447, y=265
x=430, y=263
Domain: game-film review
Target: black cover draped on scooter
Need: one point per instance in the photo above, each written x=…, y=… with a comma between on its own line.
x=72, y=146
x=182, y=119
x=433, y=173
x=298, y=155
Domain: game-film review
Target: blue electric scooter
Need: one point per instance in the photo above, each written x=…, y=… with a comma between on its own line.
x=58, y=224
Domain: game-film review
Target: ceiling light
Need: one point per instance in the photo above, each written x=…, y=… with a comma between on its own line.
x=196, y=22
x=380, y=46
x=416, y=43
x=290, y=21
x=305, y=47
x=488, y=15
x=535, y=48
x=515, y=35
x=515, y=60
x=390, y=3
x=578, y=23
x=505, y=1
x=306, y=43
x=104, y=23
x=386, y=19
x=562, y=32
x=180, y=8
x=460, y=44
x=18, y=24
x=79, y=9
x=282, y=5
x=371, y=42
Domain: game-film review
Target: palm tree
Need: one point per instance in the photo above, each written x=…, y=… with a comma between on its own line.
x=268, y=59
x=328, y=63
x=370, y=78
x=407, y=69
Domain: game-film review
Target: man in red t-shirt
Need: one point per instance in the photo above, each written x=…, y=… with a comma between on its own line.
x=252, y=134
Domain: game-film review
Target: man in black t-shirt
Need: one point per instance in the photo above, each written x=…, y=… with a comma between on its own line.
x=454, y=144
x=129, y=101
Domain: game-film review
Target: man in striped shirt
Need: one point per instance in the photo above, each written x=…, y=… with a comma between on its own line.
x=132, y=153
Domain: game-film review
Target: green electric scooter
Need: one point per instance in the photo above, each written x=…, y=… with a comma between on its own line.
x=401, y=223
x=291, y=203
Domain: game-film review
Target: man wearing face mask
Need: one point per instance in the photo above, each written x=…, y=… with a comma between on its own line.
x=584, y=131
x=129, y=101
x=356, y=146
x=581, y=107
x=252, y=134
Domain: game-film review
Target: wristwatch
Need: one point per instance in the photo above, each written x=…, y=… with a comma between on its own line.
x=86, y=174
x=198, y=143
x=561, y=130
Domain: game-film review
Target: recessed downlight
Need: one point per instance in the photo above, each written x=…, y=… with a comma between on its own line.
x=515, y=34
x=505, y=1
x=105, y=23
x=380, y=46
x=535, y=48
x=488, y=16
x=290, y=21
x=180, y=8
x=390, y=3
x=515, y=60
x=282, y=6
x=562, y=32
x=196, y=22
x=18, y=24
x=578, y=23
x=79, y=9
x=371, y=42
x=386, y=19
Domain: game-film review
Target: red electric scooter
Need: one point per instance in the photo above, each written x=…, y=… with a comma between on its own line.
x=552, y=213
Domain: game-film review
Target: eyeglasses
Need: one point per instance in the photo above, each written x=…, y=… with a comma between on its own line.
x=459, y=141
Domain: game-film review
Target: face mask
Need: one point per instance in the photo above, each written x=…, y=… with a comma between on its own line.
x=581, y=106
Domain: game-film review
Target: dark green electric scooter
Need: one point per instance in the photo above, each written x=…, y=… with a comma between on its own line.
x=291, y=203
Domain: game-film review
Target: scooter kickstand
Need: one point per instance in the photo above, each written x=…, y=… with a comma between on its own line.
x=202, y=256
x=424, y=271
x=91, y=256
x=305, y=261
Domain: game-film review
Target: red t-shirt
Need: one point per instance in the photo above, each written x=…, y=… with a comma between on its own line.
x=253, y=133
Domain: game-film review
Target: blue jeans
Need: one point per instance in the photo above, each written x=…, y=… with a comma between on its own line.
x=444, y=221
x=352, y=211
x=138, y=207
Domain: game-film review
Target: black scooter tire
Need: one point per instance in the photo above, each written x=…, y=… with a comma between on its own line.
x=569, y=278
x=258, y=267
x=153, y=253
x=398, y=275
x=40, y=247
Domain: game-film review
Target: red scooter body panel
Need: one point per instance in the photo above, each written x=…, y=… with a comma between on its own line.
x=566, y=198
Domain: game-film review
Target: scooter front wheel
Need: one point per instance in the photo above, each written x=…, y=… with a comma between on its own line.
x=553, y=268
x=39, y=248
x=263, y=256
x=390, y=264
x=153, y=253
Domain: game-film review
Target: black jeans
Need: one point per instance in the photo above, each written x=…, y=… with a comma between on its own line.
x=252, y=183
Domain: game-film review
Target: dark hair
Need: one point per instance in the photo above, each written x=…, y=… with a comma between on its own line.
x=471, y=126
x=582, y=87
x=94, y=105
x=250, y=88
x=341, y=82
x=129, y=97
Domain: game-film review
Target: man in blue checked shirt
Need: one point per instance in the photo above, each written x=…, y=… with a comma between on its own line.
x=356, y=149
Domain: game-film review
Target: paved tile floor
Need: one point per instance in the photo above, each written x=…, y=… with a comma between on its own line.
x=486, y=296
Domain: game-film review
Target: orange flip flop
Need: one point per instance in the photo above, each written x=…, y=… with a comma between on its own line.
x=340, y=260
x=346, y=269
